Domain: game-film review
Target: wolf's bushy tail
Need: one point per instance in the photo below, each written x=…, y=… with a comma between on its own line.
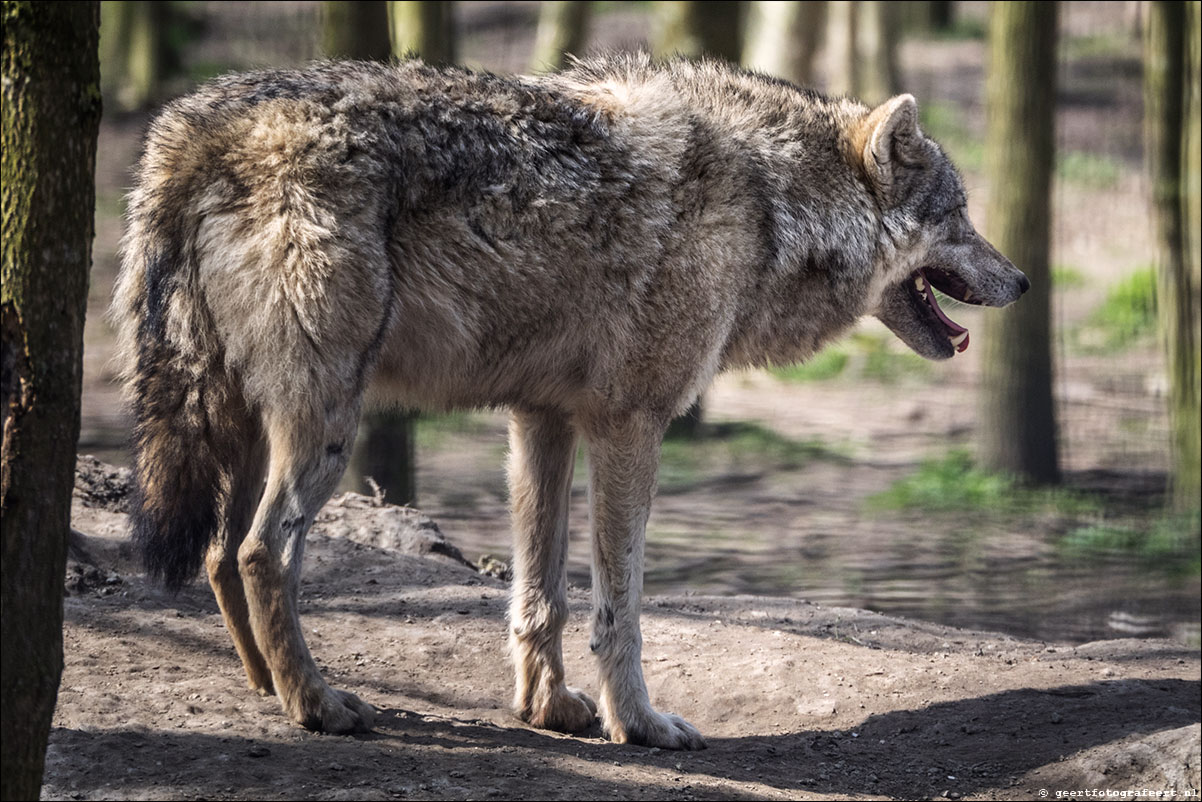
x=191, y=427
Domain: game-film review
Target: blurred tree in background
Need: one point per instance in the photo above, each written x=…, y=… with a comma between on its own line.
x=1171, y=132
x=1017, y=416
x=425, y=28
x=562, y=30
x=696, y=28
x=861, y=42
x=51, y=114
x=355, y=29
x=782, y=38
x=135, y=52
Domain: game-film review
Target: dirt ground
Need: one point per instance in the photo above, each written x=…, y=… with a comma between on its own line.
x=797, y=700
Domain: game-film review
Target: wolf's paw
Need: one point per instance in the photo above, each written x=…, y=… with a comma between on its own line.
x=340, y=712
x=656, y=729
x=569, y=710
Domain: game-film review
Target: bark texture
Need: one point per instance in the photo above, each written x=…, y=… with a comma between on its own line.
x=51, y=111
x=1017, y=420
x=1170, y=103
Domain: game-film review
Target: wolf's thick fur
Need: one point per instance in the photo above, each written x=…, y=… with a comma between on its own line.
x=588, y=249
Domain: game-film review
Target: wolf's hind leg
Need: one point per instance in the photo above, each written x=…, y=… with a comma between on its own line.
x=541, y=460
x=623, y=459
x=308, y=454
x=221, y=562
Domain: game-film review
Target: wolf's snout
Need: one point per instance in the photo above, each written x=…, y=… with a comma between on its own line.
x=1024, y=283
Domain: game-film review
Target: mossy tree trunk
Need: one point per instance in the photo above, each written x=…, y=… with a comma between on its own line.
x=1017, y=416
x=562, y=30
x=1170, y=98
x=51, y=111
x=384, y=450
x=355, y=29
x=782, y=38
x=424, y=28
x=696, y=28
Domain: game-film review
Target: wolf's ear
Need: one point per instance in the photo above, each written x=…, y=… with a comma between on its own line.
x=886, y=135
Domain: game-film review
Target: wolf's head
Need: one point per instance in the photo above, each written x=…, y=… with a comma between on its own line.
x=928, y=241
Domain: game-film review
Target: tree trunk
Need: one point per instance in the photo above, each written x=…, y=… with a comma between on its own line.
x=1170, y=89
x=562, y=30
x=133, y=51
x=1017, y=416
x=942, y=15
x=51, y=111
x=842, y=66
x=385, y=453
x=356, y=29
x=782, y=38
x=424, y=28
x=696, y=28
x=876, y=51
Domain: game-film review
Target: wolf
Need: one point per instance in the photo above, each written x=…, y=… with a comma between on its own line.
x=587, y=249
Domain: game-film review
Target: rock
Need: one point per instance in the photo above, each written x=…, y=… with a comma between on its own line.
x=385, y=526
x=98, y=484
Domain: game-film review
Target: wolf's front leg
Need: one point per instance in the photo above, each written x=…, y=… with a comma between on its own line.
x=623, y=459
x=542, y=453
x=305, y=465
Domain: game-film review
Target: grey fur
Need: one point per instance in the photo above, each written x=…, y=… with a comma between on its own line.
x=588, y=249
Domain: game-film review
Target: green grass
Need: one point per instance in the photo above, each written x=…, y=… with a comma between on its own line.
x=1068, y=277
x=954, y=483
x=433, y=430
x=828, y=363
x=862, y=356
x=1171, y=542
x=1125, y=317
x=944, y=122
x=1091, y=170
x=734, y=448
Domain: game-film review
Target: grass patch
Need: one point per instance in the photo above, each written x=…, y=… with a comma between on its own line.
x=862, y=356
x=1088, y=169
x=961, y=28
x=826, y=364
x=734, y=448
x=1126, y=316
x=1171, y=542
x=944, y=122
x=434, y=430
x=1068, y=277
x=954, y=483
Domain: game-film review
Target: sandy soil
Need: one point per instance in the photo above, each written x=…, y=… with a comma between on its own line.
x=797, y=700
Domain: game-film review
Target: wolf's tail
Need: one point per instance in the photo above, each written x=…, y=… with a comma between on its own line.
x=192, y=429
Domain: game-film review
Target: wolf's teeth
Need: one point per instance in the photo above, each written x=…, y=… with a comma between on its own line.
x=920, y=284
x=967, y=295
x=959, y=338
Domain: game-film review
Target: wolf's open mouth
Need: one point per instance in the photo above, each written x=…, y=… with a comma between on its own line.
x=924, y=282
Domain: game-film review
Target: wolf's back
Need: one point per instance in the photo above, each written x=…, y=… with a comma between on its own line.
x=190, y=422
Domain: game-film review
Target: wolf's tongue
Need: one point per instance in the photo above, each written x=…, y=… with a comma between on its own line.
x=955, y=332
